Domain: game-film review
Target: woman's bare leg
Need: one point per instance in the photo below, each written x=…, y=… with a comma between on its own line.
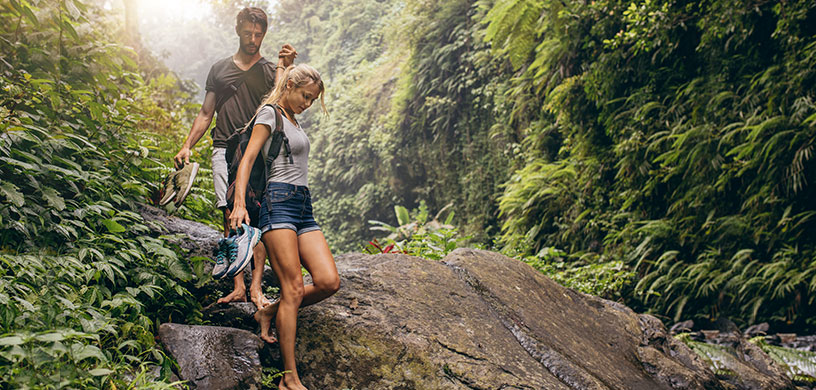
x=316, y=257
x=282, y=246
x=318, y=260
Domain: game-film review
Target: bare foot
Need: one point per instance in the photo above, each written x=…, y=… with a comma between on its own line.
x=234, y=296
x=264, y=318
x=259, y=300
x=290, y=382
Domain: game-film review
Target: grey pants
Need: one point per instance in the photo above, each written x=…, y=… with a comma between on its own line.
x=219, y=172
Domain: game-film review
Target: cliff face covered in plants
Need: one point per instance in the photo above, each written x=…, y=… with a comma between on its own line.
x=674, y=138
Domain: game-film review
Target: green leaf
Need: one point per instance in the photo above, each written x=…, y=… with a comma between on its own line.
x=50, y=337
x=179, y=269
x=29, y=15
x=69, y=27
x=53, y=198
x=113, y=226
x=12, y=340
x=11, y=192
x=402, y=215
x=72, y=9
x=24, y=165
x=100, y=371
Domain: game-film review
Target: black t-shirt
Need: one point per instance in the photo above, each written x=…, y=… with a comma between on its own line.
x=238, y=109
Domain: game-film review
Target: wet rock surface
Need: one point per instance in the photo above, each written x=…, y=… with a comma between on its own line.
x=214, y=358
x=234, y=315
x=476, y=320
x=479, y=320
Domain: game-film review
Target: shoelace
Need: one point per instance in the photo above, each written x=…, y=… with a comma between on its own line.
x=221, y=254
x=232, y=249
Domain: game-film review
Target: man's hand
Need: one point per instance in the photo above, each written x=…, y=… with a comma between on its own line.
x=287, y=55
x=182, y=157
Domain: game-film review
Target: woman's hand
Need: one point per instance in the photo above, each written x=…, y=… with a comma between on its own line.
x=238, y=216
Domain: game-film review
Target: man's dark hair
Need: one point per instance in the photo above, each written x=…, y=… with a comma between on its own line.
x=253, y=15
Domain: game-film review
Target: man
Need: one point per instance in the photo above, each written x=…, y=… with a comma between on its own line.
x=235, y=87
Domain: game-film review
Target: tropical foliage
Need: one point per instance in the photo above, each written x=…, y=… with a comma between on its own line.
x=671, y=138
x=83, y=284
x=681, y=135
x=799, y=365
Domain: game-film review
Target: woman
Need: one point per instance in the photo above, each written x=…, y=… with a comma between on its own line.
x=290, y=233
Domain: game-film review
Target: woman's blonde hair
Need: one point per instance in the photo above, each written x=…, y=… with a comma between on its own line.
x=300, y=75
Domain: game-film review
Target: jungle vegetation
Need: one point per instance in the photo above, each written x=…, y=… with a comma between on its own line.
x=670, y=140
x=655, y=152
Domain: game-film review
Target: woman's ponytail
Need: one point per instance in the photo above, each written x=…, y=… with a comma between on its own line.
x=300, y=75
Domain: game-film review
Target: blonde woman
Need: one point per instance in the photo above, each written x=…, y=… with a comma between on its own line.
x=290, y=233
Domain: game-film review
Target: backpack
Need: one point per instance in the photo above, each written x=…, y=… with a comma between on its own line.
x=236, y=146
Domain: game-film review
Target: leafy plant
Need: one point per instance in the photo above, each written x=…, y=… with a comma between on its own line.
x=587, y=273
x=640, y=151
x=271, y=377
x=718, y=357
x=799, y=365
x=416, y=235
x=83, y=285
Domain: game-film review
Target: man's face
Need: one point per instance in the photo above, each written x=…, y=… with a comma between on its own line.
x=251, y=36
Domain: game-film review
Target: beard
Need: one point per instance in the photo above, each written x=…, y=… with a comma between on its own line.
x=249, y=49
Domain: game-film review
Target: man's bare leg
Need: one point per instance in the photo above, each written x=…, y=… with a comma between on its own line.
x=238, y=293
x=255, y=291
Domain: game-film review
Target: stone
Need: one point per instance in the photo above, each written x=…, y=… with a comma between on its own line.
x=682, y=327
x=199, y=240
x=233, y=315
x=757, y=330
x=196, y=238
x=214, y=358
x=479, y=320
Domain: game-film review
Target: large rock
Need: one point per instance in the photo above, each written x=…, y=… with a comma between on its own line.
x=234, y=315
x=198, y=240
x=479, y=320
x=195, y=237
x=214, y=358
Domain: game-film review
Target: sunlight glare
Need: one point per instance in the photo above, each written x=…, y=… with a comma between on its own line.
x=174, y=10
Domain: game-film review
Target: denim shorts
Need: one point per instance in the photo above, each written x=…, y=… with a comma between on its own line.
x=287, y=206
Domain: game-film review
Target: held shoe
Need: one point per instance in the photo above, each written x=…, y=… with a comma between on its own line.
x=169, y=188
x=222, y=252
x=184, y=181
x=245, y=242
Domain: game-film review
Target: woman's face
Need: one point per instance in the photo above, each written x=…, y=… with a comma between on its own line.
x=300, y=98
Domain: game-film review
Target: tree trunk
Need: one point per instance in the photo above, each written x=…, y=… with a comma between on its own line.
x=132, y=36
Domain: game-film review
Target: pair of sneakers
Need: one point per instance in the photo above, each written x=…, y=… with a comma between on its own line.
x=235, y=252
x=178, y=184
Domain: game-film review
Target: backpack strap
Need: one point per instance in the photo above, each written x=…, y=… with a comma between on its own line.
x=279, y=139
x=229, y=91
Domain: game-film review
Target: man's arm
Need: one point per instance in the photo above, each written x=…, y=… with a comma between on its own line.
x=200, y=125
x=286, y=56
